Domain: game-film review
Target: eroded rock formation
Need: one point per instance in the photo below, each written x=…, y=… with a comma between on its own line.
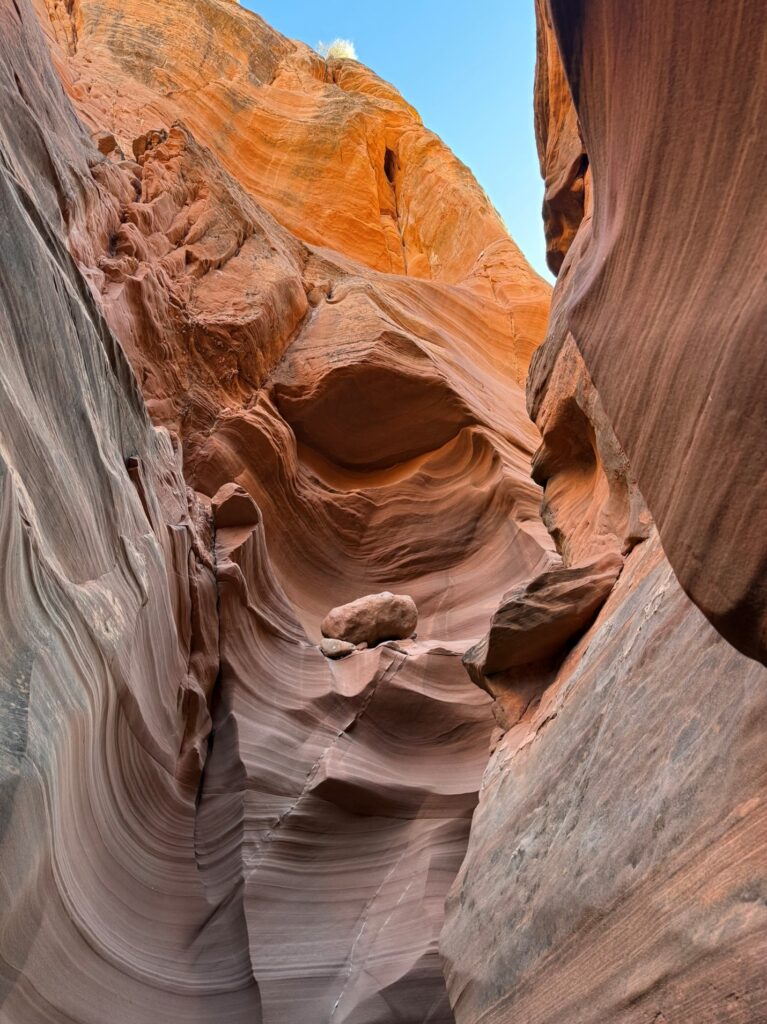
x=661, y=288
x=264, y=343
x=616, y=866
x=205, y=819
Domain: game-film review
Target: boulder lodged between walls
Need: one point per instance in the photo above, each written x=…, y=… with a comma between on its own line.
x=372, y=619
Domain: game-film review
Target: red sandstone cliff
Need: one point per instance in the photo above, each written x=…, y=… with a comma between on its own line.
x=264, y=344
x=330, y=329
x=616, y=866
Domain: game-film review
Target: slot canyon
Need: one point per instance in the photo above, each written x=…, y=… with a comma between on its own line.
x=267, y=349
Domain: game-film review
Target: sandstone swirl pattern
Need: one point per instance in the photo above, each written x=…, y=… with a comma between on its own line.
x=263, y=345
x=204, y=818
x=616, y=867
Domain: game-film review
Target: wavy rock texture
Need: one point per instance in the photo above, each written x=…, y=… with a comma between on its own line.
x=660, y=289
x=616, y=869
x=109, y=644
x=205, y=819
x=263, y=340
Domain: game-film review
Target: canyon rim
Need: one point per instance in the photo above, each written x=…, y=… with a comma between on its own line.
x=266, y=349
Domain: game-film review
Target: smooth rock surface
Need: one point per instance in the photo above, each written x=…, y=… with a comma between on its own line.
x=660, y=289
x=616, y=864
x=109, y=639
x=204, y=818
x=336, y=648
x=372, y=618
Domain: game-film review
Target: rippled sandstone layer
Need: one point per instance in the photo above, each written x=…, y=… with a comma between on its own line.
x=616, y=868
x=205, y=818
x=264, y=343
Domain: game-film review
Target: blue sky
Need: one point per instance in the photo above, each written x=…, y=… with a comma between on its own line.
x=468, y=69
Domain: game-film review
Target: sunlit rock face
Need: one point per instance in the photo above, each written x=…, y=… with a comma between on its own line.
x=616, y=866
x=264, y=341
x=661, y=288
x=333, y=152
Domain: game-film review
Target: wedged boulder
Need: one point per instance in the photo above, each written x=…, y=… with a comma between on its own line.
x=536, y=619
x=371, y=619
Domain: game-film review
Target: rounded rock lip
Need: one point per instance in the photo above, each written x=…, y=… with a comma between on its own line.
x=333, y=648
x=372, y=619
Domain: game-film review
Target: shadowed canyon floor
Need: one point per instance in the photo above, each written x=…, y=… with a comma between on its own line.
x=263, y=349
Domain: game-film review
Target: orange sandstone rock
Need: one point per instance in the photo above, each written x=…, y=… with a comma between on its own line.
x=371, y=619
x=330, y=327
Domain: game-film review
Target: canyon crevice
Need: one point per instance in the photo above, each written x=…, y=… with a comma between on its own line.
x=266, y=348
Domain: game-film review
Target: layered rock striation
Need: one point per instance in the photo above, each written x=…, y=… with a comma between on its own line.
x=616, y=865
x=264, y=344
x=653, y=164
x=271, y=363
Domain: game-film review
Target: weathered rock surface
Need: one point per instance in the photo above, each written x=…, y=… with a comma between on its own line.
x=372, y=618
x=563, y=159
x=336, y=648
x=536, y=620
x=659, y=288
x=616, y=865
x=204, y=818
x=591, y=502
x=334, y=153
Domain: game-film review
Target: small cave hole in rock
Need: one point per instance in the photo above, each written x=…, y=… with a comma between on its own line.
x=390, y=165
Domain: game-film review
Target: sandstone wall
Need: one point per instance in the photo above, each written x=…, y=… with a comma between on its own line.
x=616, y=867
x=206, y=819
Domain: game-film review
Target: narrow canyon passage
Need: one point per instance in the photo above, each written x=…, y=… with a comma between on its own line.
x=290, y=824
x=265, y=348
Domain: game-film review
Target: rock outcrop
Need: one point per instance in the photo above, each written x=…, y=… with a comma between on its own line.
x=536, y=620
x=263, y=345
x=204, y=818
x=616, y=866
x=615, y=870
x=659, y=289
